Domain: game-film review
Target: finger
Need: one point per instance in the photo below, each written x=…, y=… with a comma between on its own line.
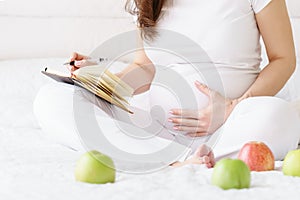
x=212, y=158
x=202, y=150
x=186, y=113
x=73, y=68
x=209, y=165
x=77, y=56
x=207, y=161
x=185, y=121
x=74, y=56
x=202, y=88
x=79, y=63
x=197, y=134
x=83, y=63
x=189, y=129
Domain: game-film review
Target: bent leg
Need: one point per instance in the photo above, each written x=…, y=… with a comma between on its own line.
x=92, y=128
x=61, y=110
x=267, y=119
x=53, y=108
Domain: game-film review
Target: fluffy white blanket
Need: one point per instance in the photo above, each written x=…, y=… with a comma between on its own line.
x=33, y=168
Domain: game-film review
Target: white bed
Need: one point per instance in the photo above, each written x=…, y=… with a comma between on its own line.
x=32, y=167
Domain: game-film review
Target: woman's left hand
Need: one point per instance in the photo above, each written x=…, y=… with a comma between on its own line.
x=197, y=123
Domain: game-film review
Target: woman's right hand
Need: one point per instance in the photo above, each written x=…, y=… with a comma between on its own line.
x=79, y=61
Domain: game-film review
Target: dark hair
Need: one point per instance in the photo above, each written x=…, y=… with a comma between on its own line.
x=148, y=12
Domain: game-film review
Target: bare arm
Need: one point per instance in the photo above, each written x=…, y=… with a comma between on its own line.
x=140, y=73
x=274, y=24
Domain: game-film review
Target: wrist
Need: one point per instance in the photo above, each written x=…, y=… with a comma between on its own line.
x=233, y=102
x=230, y=106
x=245, y=96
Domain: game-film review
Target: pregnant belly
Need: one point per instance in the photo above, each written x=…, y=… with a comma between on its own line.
x=181, y=92
x=178, y=93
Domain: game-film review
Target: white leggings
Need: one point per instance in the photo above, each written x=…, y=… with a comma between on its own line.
x=267, y=119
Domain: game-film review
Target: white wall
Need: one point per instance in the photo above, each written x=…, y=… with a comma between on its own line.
x=55, y=28
x=294, y=10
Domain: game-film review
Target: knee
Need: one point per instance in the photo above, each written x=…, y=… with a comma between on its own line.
x=273, y=120
x=280, y=114
x=41, y=100
x=271, y=112
x=53, y=108
x=50, y=99
x=267, y=108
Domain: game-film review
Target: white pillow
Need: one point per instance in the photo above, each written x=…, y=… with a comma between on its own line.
x=64, y=8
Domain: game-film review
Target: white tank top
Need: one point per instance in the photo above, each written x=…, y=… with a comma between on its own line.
x=227, y=32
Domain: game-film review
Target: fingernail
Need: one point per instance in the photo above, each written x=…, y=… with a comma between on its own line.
x=175, y=128
x=78, y=63
x=170, y=120
x=197, y=82
x=171, y=112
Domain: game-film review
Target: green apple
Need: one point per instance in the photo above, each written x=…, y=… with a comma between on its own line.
x=291, y=163
x=95, y=167
x=231, y=174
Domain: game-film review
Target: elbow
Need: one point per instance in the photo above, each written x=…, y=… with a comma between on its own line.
x=289, y=63
x=142, y=89
x=292, y=62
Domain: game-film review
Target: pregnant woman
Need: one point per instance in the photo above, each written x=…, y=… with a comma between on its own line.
x=229, y=31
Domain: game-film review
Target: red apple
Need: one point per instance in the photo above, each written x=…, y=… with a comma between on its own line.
x=257, y=156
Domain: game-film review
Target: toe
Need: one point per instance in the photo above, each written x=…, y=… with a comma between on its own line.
x=202, y=150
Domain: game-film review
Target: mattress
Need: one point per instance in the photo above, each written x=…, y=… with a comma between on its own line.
x=31, y=167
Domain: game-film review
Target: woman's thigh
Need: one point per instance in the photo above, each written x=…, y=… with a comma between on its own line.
x=267, y=119
x=53, y=108
x=75, y=118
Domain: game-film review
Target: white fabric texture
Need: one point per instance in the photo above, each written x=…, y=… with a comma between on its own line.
x=267, y=119
x=34, y=168
x=58, y=122
x=227, y=34
x=258, y=5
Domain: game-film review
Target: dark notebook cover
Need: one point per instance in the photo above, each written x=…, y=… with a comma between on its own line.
x=59, y=78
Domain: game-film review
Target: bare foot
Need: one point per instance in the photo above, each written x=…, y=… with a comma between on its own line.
x=203, y=155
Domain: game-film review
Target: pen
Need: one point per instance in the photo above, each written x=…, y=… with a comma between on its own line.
x=96, y=60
